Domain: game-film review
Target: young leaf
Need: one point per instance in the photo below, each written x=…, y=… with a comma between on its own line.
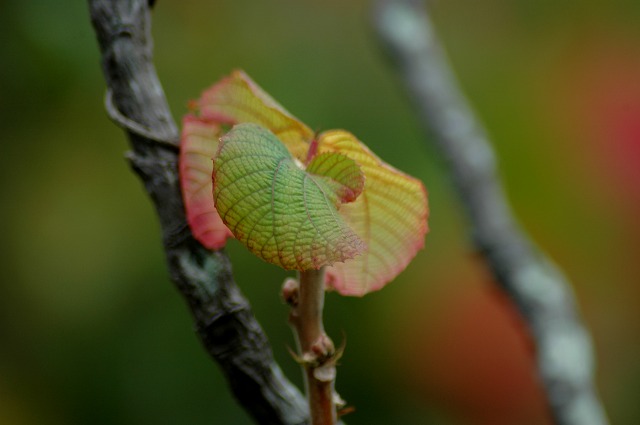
x=390, y=216
x=238, y=99
x=199, y=144
x=283, y=214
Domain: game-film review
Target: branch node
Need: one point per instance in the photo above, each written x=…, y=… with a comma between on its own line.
x=135, y=127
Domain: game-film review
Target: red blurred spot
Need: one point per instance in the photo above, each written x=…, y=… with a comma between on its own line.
x=600, y=87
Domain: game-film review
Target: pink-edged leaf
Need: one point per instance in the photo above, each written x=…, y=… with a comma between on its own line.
x=390, y=216
x=238, y=99
x=198, y=146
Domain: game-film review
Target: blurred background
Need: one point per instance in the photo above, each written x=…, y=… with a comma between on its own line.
x=91, y=329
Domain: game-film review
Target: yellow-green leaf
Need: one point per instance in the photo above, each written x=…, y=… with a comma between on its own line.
x=390, y=216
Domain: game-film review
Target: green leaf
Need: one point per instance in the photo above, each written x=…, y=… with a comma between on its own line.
x=282, y=213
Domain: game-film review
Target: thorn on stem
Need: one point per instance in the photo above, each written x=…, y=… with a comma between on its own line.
x=323, y=347
x=346, y=411
x=295, y=356
x=339, y=401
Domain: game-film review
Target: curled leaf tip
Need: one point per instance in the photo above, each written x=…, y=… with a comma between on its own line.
x=342, y=172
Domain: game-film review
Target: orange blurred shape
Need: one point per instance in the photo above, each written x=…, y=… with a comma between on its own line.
x=472, y=357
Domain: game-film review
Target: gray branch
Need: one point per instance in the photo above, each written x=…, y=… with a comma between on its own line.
x=538, y=288
x=223, y=317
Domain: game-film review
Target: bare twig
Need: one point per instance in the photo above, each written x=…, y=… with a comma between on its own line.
x=223, y=317
x=536, y=286
x=317, y=352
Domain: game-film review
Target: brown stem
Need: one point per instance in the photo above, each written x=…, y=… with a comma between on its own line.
x=317, y=353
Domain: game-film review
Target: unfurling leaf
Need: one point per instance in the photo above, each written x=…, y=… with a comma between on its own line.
x=390, y=216
x=282, y=213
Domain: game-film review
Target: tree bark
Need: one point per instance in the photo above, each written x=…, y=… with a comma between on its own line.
x=223, y=317
x=538, y=288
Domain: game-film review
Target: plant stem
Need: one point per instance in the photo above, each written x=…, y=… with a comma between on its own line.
x=317, y=351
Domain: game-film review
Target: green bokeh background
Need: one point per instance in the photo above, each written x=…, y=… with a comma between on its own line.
x=91, y=330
